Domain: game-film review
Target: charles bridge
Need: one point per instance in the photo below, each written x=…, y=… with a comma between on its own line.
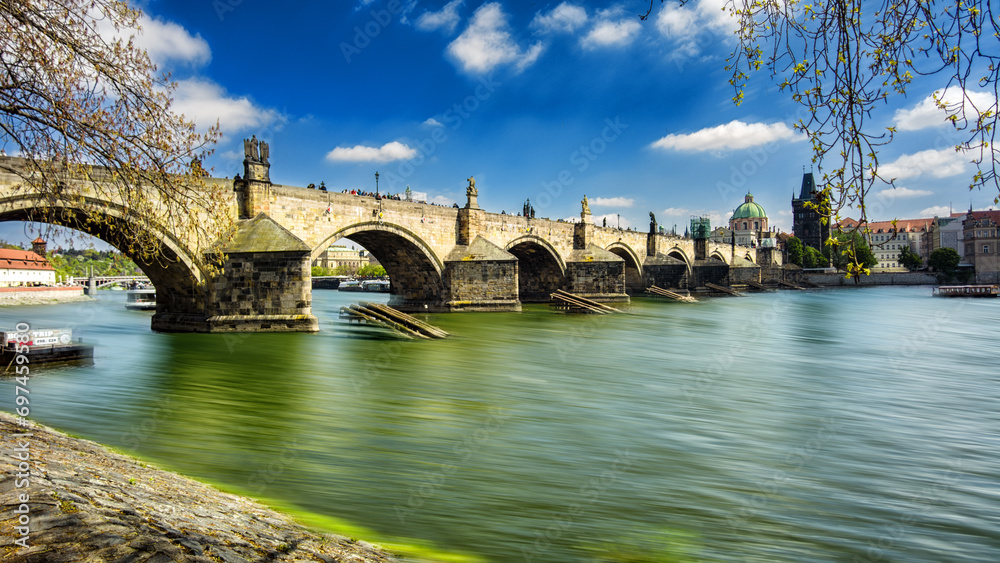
x=438, y=258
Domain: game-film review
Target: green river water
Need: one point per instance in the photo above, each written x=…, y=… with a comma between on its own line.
x=827, y=425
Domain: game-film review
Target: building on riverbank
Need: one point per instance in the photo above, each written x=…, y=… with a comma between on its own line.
x=25, y=268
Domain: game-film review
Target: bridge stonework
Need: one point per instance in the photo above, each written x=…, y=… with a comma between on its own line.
x=438, y=258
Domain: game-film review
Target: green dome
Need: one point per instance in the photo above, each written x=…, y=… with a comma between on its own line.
x=749, y=210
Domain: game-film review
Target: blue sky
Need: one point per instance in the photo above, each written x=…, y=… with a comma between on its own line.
x=547, y=101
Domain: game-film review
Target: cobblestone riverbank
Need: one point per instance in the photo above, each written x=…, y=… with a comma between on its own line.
x=68, y=499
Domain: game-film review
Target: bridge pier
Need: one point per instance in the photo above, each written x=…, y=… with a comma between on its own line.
x=264, y=286
x=592, y=271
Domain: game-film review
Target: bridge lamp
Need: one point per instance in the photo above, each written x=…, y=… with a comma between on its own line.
x=376, y=185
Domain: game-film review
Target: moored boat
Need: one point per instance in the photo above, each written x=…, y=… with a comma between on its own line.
x=350, y=285
x=967, y=291
x=376, y=286
x=42, y=346
x=140, y=299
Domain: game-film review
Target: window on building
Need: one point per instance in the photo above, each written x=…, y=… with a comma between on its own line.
x=986, y=249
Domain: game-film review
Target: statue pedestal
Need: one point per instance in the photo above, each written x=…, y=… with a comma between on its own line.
x=472, y=203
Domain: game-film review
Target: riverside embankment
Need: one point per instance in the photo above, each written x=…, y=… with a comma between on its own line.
x=83, y=502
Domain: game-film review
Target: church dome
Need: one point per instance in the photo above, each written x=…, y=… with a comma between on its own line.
x=749, y=210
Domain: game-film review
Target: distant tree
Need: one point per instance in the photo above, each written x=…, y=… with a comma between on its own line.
x=795, y=250
x=319, y=271
x=909, y=259
x=813, y=258
x=944, y=260
x=371, y=270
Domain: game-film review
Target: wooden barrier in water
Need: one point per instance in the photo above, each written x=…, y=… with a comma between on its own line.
x=756, y=286
x=387, y=317
x=790, y=285
x=671, y=294
x=723, y=289
x=574, y=302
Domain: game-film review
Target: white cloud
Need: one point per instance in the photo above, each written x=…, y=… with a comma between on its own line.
x=563, y=18
x=204, y=102
x=165, y=42
x=431, y=122
x=441, y=200
x=684, y=24
x=675, y=212
x=447, y=18
x=487, y=43
x=612, y=202
x=731, y=136
x=169, y=42
x=927, y=113
x=935, y=163
x=608, y=32
x=904, y=192
x=360, y=153
x=936, y=211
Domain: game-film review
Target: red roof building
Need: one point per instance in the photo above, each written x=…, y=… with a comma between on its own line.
x=24, y=268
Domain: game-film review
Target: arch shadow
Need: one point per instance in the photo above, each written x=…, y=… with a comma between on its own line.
x=413, y=267
x=178, y=274
x=633, y=267
x=541, y=270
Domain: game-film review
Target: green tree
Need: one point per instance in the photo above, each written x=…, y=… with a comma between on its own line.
x=371, y=270
x=909, y=259
x=944, y=260
x=795, y=250
x=813, y=258
x=850, y=250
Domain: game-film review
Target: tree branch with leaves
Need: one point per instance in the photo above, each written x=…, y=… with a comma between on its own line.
x=82, y=104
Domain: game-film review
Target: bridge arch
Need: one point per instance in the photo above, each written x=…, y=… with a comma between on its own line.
x=540, y=268
x=633, y=267
x=413, y=267
x=178, y=273
x=679, y=254
x=718, y=256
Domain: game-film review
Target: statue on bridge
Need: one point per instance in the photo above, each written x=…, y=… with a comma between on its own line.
x=265, y=151
x=471, y=190
x=250, y=149
x=586, y=207
x=652, y=223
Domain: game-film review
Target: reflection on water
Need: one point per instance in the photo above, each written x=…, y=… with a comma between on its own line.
x=842, y=425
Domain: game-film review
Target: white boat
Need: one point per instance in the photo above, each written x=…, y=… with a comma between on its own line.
x=141, y=299
x=42, y=346
x=350, y=285
x=376, y=286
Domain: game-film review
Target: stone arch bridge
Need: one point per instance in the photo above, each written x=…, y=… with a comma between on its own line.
x=438, y=258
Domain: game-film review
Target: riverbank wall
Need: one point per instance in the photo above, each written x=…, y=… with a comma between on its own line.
x=75, y=500
x=879, y=278
x=41, y=295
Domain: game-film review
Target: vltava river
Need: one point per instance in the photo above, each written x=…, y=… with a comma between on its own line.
x=827, y=425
